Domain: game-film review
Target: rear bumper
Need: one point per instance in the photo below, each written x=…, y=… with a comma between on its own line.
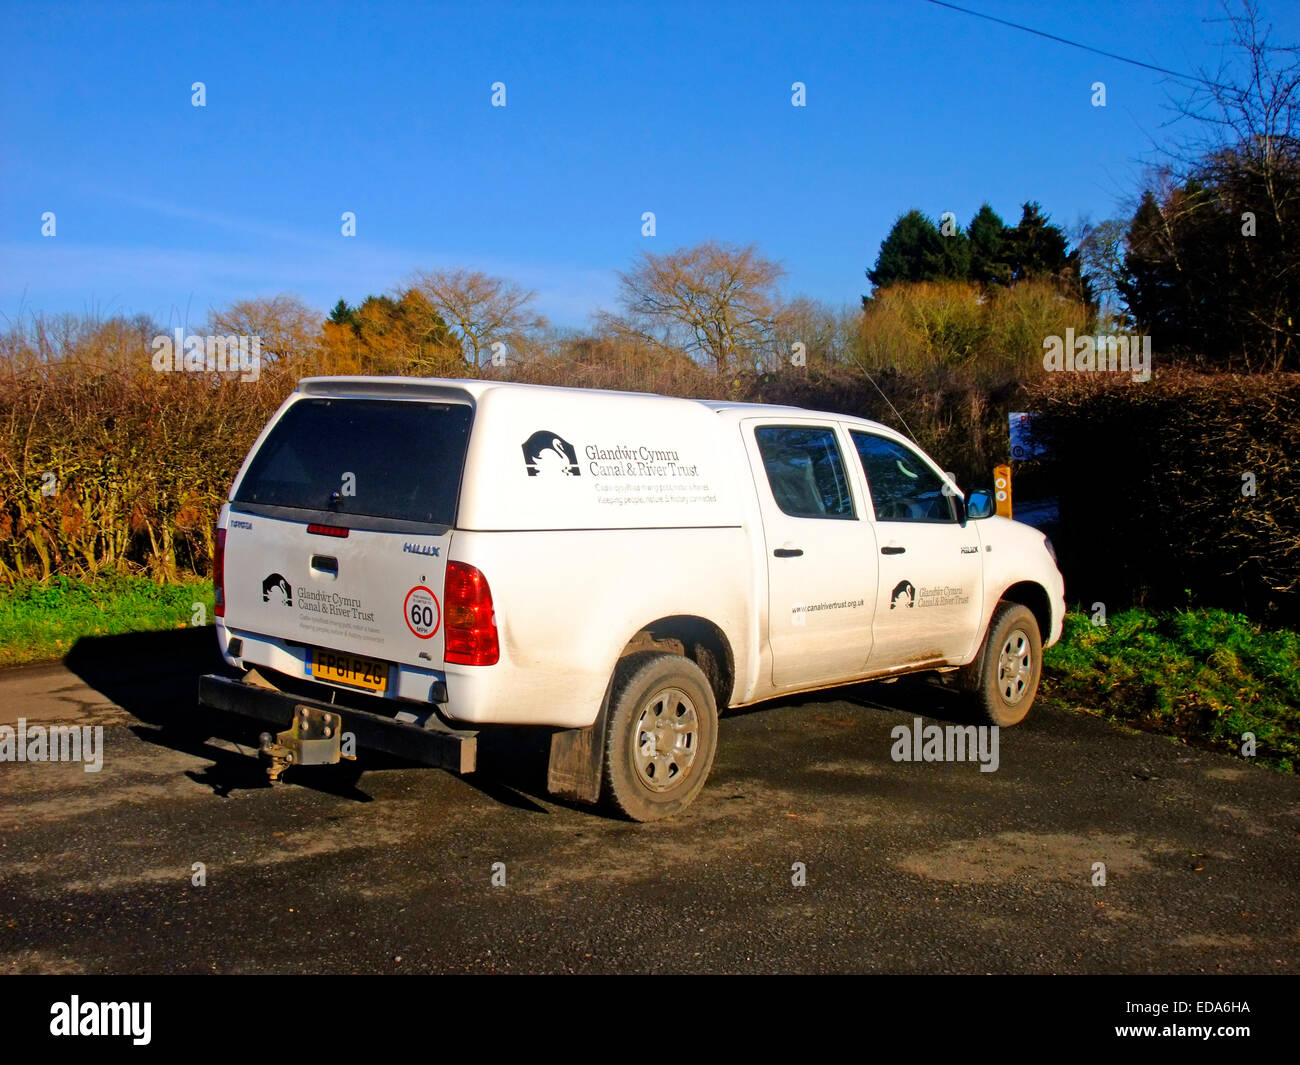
x=432, y=743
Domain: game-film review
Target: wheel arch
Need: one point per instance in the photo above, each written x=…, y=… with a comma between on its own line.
x=693, y=637
x=1033, y=595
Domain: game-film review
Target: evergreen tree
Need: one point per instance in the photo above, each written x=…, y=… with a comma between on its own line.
x=915, y=250
x=342, y=314
x=1036, y=248
x=988, y=248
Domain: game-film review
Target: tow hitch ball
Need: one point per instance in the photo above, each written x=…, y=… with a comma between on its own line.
x=314, y=738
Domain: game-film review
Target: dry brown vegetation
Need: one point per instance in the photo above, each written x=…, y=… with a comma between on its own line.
x=108, y=465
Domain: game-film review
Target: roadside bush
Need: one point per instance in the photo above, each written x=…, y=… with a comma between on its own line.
x=1183, y=487
x=917, y=328
x=108, y=465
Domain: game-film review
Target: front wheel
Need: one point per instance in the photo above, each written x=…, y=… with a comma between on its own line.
x=660, y=738
x=1003, y=679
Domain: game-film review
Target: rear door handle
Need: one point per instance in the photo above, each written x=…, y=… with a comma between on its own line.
x=788, y=552
x=892, y=550
x=325, y=564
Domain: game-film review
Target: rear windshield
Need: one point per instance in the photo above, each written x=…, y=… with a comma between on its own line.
x=373, y=457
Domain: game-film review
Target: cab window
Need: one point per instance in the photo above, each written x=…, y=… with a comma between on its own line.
x=903, y=486
x=805, y=471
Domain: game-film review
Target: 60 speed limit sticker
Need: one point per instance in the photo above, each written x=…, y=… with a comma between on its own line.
x=422, y=612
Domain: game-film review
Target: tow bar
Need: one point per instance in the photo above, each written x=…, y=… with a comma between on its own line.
x=314, y=738
x=321, y=733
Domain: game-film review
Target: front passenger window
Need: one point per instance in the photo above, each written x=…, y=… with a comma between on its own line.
x=903, y=486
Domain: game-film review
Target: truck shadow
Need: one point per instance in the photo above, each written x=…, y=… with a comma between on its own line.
x=920, y=694
x=513, y=761
x=153, y=676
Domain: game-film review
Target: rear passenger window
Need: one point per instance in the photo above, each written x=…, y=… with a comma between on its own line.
x=903, y=487
x=805, y=471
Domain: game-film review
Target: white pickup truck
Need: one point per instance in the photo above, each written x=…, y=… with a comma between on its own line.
x=403, y=562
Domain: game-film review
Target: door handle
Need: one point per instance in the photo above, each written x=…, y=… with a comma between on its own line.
x=325, y=564
x=892, y=550
x=788, y=552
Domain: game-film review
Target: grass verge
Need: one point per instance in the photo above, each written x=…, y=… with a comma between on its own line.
x=1205, y=676
x=42, y=620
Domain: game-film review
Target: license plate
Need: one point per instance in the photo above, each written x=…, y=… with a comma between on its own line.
x=340, y=668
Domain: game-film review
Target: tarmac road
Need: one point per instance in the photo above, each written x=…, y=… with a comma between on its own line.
x=910, y=867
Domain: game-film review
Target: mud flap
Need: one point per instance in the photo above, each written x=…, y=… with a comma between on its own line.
x=576, y=768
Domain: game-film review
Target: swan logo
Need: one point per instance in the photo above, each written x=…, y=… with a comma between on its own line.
x=546, y=453
x=904, y=594
x=276, y=588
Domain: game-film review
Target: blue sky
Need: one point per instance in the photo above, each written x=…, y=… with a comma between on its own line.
x=612, y=110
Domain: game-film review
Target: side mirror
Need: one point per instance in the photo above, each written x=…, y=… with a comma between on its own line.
x=979, y=504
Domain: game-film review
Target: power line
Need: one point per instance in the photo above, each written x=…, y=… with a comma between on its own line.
x=1076, y=44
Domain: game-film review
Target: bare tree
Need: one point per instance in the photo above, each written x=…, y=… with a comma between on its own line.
x=814, y=334
x=1212, y=251
x=480, y=310
x=287, y=326
x=1248, y=108
x=714, y=301
x=1101, y=254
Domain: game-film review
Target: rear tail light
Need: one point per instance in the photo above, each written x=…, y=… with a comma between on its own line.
x=328, y=530
x=471, y=626
x=219, y=574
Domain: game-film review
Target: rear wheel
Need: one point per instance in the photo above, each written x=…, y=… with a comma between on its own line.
x=1003, y=679
x=661, y=736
